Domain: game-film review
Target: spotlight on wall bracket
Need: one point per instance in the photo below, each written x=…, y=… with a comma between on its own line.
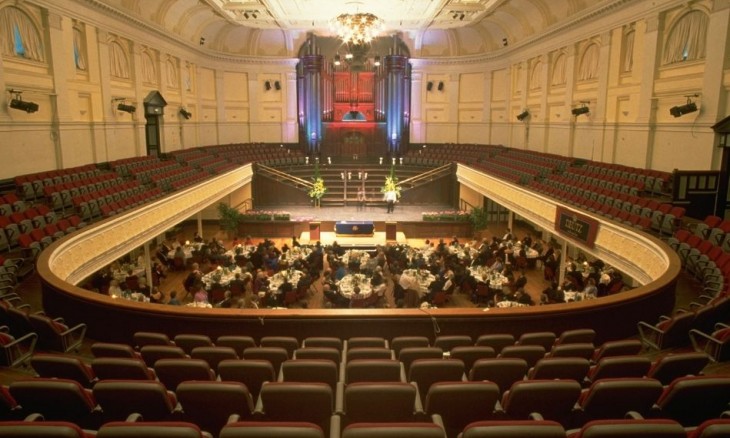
x=18, y=103
x=429, y=86
x=185, y=113
x=441, y=86
x=123, y=106
x=277, y=85
x=523, y=115
x=267, y=85
x=689, y=107
x=582, y=109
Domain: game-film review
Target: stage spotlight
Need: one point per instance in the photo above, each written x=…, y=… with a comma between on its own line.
x=267, y=85
x=461, y=17
x=523, y=115
x=337, y=59
x=381, y=160
x=679, y=111
x=429, y=86
x=277, y=85
x=580, y=110
x=441, y=86
x=245, y=15
x=505, y=42
x=329, y=160
x=126, y=108
x=377, y=61
x=185, y=113
x=306, y=160
x=19, y=104
x=202, y=41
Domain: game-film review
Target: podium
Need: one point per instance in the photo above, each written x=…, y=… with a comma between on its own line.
x=390, y=231
x=314, y=228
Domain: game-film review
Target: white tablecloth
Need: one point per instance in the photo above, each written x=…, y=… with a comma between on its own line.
x=348, y=283
x=278, y=279
x=222, y=276
x=496, y=280
x=417, y=280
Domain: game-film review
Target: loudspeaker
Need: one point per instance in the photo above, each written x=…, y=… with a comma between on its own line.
x=523, y=115
x=441, y=86
x=429, y=86
x=267, y=85
x=277, y=85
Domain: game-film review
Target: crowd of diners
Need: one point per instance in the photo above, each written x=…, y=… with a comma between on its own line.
x=449, y=265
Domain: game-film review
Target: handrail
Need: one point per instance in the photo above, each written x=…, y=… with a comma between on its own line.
x=246, y=203
x=428, y=174
x=463, y=204
x=280, y=174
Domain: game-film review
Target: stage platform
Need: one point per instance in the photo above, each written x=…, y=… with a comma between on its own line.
x=375, y=213
x=327, y=237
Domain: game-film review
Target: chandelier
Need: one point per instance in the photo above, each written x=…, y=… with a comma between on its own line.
x=358, y=28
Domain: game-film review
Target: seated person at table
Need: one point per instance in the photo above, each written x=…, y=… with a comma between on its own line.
x=520, y=282
x=591, y=290
x=523, y=297
x=156, y=296
x=281, y=292
x=197, y=238
x=334, y=299
x=173, y=299
x=357, y=301
x=227, y=301
x=143, y=288
x=497, y=266
x=200, y=296
x=248, y=302
x=114, y=289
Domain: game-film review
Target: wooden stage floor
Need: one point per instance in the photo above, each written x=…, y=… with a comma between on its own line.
x=375, y=213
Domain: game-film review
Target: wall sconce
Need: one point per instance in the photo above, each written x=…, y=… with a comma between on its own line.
x=429, y=86
x=337, y=59
x=381, y=160
x=441, y=86
x=376, y=61
x=185, y=113
x=329, y=160
x=523, y=115
x=267, y=85
x=306, y=160
x=583, y=109
x=277, y=85
x=18, y=103
x=689, y=107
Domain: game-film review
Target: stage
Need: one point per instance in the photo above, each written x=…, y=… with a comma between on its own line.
x=375, y=213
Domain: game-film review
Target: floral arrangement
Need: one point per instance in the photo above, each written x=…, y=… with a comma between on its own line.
x=391, y=183
x=266, y=215
x=448, y=215
x=318, y=188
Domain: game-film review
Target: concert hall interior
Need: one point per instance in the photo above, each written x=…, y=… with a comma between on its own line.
x=228, y=218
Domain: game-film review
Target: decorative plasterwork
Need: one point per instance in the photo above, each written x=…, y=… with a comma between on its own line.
x=77, y=257
x=638, y=255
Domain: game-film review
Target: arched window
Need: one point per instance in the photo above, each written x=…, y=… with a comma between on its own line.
x=589, y=64
x=119, y=64
x=20, y=37
x=687, y=39
x=627, y=63
x=79, y=49
x=558, y=77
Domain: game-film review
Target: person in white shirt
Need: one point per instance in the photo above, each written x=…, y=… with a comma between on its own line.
x=391, y=197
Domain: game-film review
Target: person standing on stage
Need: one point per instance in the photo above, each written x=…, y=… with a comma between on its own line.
x=390, y=198
x=361, y=198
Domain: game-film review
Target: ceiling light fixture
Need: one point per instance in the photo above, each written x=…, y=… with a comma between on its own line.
x=357, y=28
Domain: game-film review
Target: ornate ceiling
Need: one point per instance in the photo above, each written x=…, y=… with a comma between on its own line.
x=431, y=28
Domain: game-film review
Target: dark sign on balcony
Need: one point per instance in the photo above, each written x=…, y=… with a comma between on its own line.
x=575, y=226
